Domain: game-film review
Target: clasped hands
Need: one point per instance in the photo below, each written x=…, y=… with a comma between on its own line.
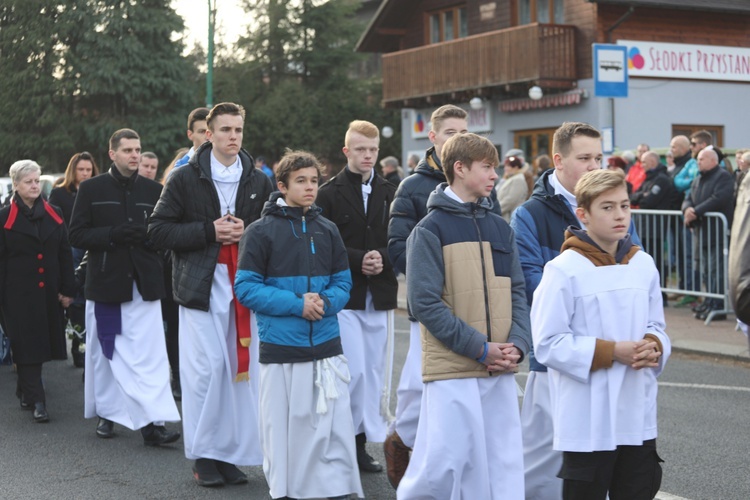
x=372, y=263
x=229, y=229
x=314, y=307
x=637, y=355
x=501, y=357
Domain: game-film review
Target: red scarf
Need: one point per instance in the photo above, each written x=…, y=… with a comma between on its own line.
x=228, y=255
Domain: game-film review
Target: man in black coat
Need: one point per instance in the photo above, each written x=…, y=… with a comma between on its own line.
x=357, y=200
x=127, y=372
x=711, y=191
x=200, y=217
x=656, y=193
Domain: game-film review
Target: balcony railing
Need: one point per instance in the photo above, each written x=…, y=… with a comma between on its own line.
x=544, y=53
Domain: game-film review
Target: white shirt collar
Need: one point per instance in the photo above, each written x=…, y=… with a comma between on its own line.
x=222, y=173
x=560, y=189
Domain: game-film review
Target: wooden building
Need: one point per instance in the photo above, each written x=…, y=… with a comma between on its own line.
x=451, y=51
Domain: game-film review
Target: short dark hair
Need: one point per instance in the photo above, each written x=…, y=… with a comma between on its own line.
x=564, y=136
x=296, y=160
x=704, y=136
x=149, y=154
x=224, y=108
x=467, y=148
x=123, y=133
x=197, y=115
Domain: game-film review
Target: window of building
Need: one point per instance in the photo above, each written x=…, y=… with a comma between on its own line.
x=540, y=11
x=717, y=131
x=447, y=24
x=534, y=142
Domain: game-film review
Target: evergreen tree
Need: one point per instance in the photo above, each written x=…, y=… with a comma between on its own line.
x=35, y=121
x=126, y=71
x=295, y=78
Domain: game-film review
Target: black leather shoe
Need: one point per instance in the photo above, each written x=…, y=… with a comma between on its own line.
x=155, y=435
x=78, y=357
x=230, y=473
x=699, y=308
x=40, y=413
x=105, y=429
x=206, y=473
x=364, y=460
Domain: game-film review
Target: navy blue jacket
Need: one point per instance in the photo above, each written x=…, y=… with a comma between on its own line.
x=282, y=256
x=410, y=205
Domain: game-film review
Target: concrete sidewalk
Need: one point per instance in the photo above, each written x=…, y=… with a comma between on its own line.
x=720, y=338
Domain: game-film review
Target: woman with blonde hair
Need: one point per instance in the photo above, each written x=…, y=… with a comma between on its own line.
x=36, y=283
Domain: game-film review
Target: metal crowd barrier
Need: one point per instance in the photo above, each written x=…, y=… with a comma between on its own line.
x=690, y=262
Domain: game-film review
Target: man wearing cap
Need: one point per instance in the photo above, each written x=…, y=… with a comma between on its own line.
x=391, y=170
x=358, y=201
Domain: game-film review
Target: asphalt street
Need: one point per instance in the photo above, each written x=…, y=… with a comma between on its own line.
x=704, y=438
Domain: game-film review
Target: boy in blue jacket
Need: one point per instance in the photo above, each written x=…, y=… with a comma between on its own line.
x=293, y=273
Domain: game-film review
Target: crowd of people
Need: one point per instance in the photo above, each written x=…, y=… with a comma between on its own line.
x=263, y=300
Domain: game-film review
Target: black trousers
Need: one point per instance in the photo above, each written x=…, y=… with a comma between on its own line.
x=171, y=314
x=627, y=473
x=29, y=385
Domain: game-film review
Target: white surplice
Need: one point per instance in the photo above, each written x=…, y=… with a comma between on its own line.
x=220, y=416
x=468, y=442
x=364, y=339
x=308, y=454
x=132, y=389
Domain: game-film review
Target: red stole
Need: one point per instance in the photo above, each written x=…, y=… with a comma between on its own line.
x=242, y=315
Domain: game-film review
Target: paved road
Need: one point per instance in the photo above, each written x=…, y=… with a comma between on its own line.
x=704, y=440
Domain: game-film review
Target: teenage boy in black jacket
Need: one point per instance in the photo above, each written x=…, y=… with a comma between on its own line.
x=357, y=200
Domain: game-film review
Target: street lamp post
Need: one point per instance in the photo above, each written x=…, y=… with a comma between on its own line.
x=210, y=72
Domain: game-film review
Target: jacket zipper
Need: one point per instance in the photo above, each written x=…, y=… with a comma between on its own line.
x=310, y=251
x=484, y=280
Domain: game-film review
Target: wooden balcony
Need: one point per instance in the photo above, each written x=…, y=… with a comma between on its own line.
x=481, y=64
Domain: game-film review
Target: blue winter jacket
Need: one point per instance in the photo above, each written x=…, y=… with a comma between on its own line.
x=540, y=225
x=282, y=256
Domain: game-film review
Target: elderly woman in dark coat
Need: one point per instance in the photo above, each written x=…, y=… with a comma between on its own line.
x=36, y=282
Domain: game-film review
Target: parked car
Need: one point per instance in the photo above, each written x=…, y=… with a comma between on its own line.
x=48, y=181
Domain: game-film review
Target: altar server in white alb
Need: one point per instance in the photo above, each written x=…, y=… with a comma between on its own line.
x=127, y=372
x=598, y=325
x=201, y=215
x=466, y=288
x=293, y=271
x=358, y=200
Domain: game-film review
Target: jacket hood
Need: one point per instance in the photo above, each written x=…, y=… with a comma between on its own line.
x=272, y=207
x=545, y=193
x=579, y=241
x=430, y=166
x=439, y=200
x=201, y=160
